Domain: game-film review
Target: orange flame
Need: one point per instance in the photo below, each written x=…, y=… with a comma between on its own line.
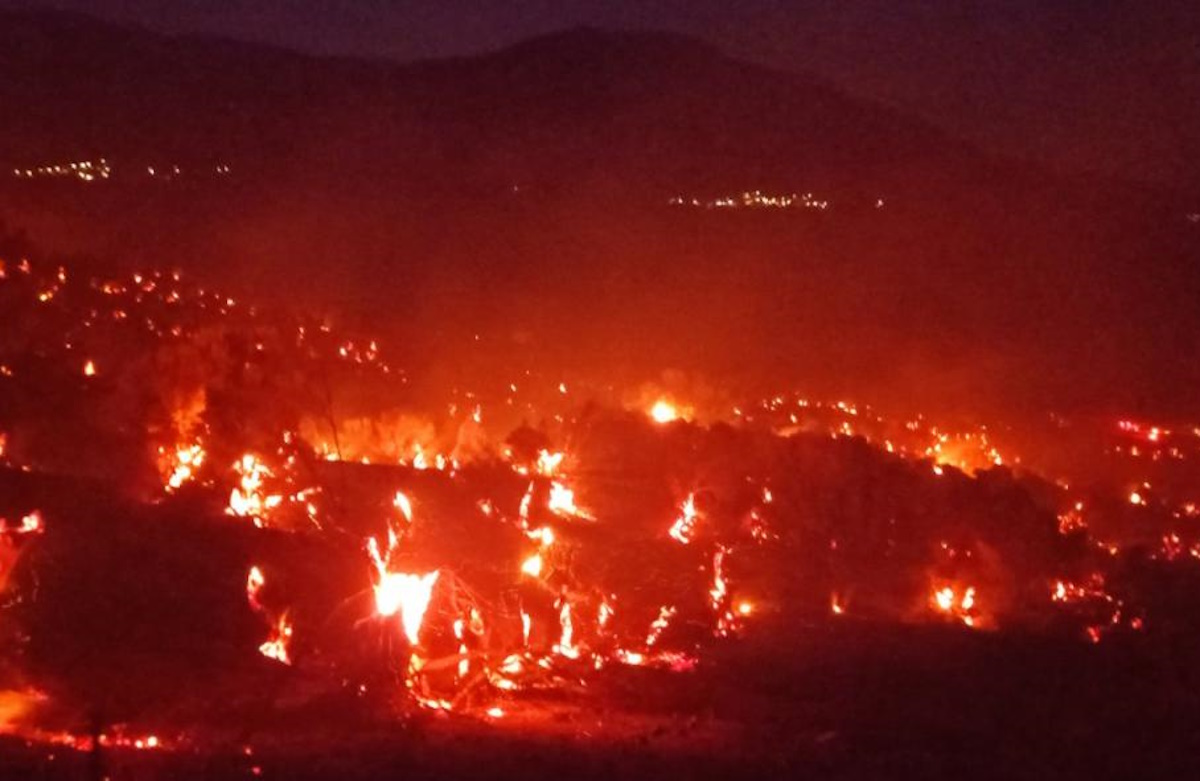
x=247, y=499
x=279, y=640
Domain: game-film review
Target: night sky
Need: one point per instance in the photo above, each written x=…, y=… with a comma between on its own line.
x=1081, y=85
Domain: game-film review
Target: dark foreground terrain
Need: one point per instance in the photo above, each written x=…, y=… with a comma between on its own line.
x=845, y=701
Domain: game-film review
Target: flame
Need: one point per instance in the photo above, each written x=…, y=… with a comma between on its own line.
x=948, y=601
x=247, y=499
x=181, y=466
x=684, y=526
x=526, y=504
x=543, y=534
x=562, y=502
x=548, y=463
x=254, y=583
x=604, y=615
x=280, y=637
x=402, y=503
x=407, y=595
x=727, y=619
x=276, y=645
x=566, y=643
x=664, y=411
x=464, y=661
x=89, y=369
x=532, y=566
x=401, y=593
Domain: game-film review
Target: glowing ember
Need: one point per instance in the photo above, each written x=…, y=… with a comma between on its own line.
x=89, y=369
x=1072, y=520
x=30, y=524
x=835, y=605
x=659, y=625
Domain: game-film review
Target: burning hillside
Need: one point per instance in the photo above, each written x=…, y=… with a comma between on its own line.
x=222, y=525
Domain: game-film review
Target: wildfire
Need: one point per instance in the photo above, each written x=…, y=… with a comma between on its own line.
x=583, y=624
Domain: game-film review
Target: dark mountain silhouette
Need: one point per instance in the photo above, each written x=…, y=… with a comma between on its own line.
x=583, y=106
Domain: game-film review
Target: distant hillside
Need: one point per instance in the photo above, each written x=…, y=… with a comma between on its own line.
x=643, y=110
x=524, y=195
